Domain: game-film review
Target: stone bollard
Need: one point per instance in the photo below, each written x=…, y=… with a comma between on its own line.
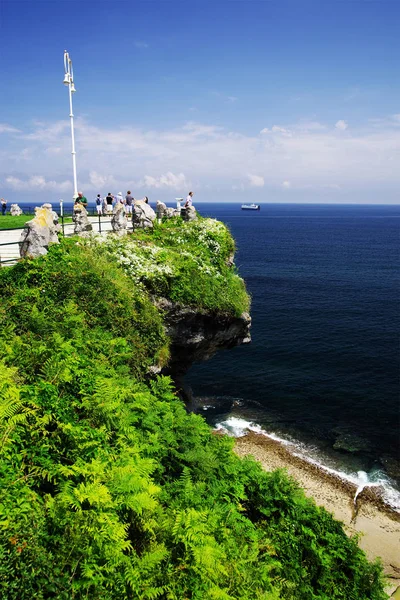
x=38, y=233
x=82, y=226
x=15, y=210
x=143, y=216
x=119, y=221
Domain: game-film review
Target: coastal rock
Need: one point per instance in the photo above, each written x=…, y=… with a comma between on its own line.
x=348, y=441
x=189, y=213
x=15, y=210
x=80, y=218
x=166, y=211
x=173, y=212
x=143, y=216
x=230, y=261
x=38, y=233
x=161, y=209
x=55, y=228
x=197, y=335
x=119, y=221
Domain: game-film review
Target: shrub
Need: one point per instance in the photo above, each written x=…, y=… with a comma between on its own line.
x=110, y=489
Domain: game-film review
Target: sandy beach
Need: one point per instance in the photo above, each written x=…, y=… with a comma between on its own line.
x=378, y=524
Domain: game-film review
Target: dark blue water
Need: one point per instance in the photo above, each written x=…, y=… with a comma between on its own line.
x=323, y=367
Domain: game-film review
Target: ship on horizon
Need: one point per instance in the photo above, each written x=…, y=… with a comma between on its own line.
x=251, y=206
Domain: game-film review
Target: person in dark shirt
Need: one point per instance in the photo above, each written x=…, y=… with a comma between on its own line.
x=109, y=201
x=3, y=206
x=129, y=200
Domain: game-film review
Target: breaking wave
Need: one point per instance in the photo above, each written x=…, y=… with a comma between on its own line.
x=239, y=427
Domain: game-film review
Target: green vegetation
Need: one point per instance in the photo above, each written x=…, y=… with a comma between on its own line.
x=9, y=222
x=109, y=489
x=184, y=262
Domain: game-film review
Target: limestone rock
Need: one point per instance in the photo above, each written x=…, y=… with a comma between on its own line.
x=56, y=228
x=189, y=213
x=80, y=218
x=165, y=211
x=173, y=212
x=15, y=210
x=196, y=335
x=142, y=215
x=230, y=261
x=119, y=221
x=161, y=210
x=38, y=233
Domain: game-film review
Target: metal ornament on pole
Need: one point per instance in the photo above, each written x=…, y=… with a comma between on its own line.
x=69, y=81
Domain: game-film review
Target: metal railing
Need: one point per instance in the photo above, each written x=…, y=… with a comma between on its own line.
x=96, y=224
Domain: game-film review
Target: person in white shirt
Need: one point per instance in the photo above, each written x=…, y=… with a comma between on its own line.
x=188, y=201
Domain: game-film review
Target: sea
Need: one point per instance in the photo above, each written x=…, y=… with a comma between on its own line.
x=322, y=371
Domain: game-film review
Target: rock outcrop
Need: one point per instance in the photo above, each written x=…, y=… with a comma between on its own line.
x=119, y=221
x=196, y=335
x=143, y=216
x=162, y=210
x=15, y=210
x=189, y=213
x=38, y=233
x=82, y=225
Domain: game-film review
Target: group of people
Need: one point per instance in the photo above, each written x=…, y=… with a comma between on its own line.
x=105, y=206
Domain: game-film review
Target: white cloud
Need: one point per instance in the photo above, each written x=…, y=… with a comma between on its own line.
x=341, y=125
x=286, y=185
x=256, y=180
x=101, y=181
x=169, y=180
x=277, y=129
x=37, y=182
x=4, y=128
x=282, y=130
x=307, y=154
x=309, y=126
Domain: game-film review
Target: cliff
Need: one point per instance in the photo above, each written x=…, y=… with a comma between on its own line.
x=109, y=488
x=196, y=335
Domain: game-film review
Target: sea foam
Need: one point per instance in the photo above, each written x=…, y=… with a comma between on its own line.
x=239, y=427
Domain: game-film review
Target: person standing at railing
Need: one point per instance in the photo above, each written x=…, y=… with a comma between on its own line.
x=3, y=206
x=99, y=203
x=129, y=200
x=109, y=202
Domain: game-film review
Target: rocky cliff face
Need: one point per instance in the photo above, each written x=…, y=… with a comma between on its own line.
x=196, y=335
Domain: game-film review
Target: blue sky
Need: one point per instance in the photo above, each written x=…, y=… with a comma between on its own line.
x=295, y=101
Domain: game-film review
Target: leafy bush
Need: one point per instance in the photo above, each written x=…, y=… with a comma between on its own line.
x=109, y=489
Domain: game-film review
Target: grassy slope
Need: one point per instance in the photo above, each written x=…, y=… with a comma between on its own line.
x=185, y=262
x=109, y=489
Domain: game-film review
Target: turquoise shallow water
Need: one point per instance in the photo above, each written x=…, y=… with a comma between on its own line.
x=323, y=367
